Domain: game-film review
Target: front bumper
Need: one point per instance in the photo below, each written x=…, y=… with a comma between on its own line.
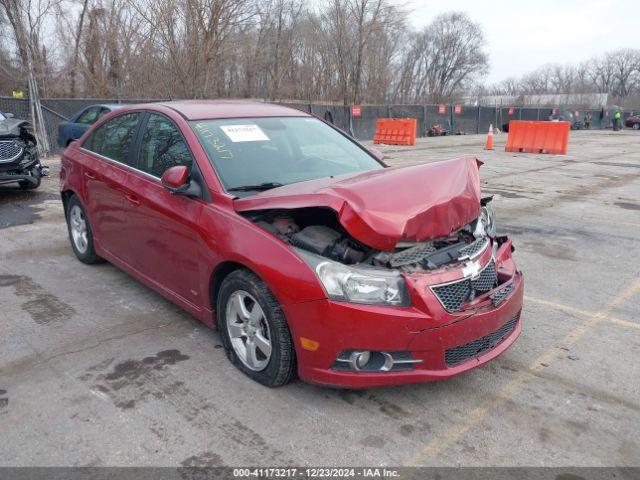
x=437, y=337
x=30, y=173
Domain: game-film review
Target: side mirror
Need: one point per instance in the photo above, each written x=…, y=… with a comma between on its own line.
x=9, y=115
x=179, y=182
x=376, y=153
x=176, y=179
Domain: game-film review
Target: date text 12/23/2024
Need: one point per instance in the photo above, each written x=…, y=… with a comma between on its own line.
x=308, y=472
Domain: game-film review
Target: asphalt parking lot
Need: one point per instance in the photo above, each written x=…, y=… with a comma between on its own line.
x=97, y=369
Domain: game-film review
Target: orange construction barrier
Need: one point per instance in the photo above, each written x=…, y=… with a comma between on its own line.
x=396, y=131
x=538, y=137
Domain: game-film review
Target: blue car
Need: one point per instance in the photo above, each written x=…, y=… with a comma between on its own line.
x=81, y=121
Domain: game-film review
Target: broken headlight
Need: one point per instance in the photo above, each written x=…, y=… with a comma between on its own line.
x=485, y=224
x=370, y=286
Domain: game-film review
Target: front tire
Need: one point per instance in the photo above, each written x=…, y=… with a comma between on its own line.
x=80, y=233
x=254, y=331
x=26, y=185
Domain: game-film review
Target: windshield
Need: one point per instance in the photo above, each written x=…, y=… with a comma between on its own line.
x=253, y=154
x=2, y=117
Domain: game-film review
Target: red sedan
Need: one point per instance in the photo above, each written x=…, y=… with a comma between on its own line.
x=298, y=243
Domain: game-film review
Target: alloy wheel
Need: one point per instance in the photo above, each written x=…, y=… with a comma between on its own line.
x=78, y=226
x=248, y=330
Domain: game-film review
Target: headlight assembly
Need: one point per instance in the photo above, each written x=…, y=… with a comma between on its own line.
x=371, y=286
x=490, y=220
x=485, y=224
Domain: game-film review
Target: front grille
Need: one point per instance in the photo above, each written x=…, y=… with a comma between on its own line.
x=487, y=280
x=453, y=295
x=498, y=297
x=456, y=355
x=417, y=253
x=473, y=249
x=411, y=255
x=9, y=150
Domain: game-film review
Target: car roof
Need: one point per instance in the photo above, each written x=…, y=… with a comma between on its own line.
x=109, y=106
x=213, y=109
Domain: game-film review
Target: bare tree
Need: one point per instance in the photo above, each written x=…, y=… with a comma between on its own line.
x=626, y=71
x=601, y=71
x=359, y=34
x=349, y=51
x=10, y=74
x=76, y=48
x=15, y=13
x=457, y=53
x=616, y=73
x=445, y=56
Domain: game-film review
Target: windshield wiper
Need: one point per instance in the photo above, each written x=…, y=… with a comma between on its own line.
x=256, y=188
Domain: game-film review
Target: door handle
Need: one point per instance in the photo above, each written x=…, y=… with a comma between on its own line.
x=90, y=175
x=133, y=200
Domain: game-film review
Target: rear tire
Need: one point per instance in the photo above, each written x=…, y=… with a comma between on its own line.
x=80, y=234
x=254, y=331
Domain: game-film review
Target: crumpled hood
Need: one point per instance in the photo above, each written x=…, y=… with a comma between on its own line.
x=381, y=207
x=10, y=127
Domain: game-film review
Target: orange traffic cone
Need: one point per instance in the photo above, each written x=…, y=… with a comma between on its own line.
x=489, y=144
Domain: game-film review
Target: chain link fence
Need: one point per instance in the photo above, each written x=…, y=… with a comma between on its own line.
x=462, y=120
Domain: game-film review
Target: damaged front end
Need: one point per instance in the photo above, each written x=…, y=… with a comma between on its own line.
x=351, y=271
x=344, y=265
x=390, y=236
x=19, y=161
x=421, y=239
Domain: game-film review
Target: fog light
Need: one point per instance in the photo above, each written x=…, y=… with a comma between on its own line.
x=374, y=361
x=388, y=362
x=359, y=359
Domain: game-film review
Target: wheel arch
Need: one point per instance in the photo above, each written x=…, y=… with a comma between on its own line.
x=283, y=371
x=222, y=271
x=66, y=195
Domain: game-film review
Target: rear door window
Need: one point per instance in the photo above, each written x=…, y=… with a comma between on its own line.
x=113, y=138
x=103, y=111
x=89, y=116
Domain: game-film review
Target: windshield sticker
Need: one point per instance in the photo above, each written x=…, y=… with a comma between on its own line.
x=244, y=133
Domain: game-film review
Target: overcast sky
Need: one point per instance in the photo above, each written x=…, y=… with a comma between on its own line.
x=522, y=35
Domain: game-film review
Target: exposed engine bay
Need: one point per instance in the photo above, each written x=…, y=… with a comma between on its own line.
x=364, y=246
x=317, y=230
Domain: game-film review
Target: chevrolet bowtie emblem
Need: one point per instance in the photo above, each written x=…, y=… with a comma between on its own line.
x=471, y=269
